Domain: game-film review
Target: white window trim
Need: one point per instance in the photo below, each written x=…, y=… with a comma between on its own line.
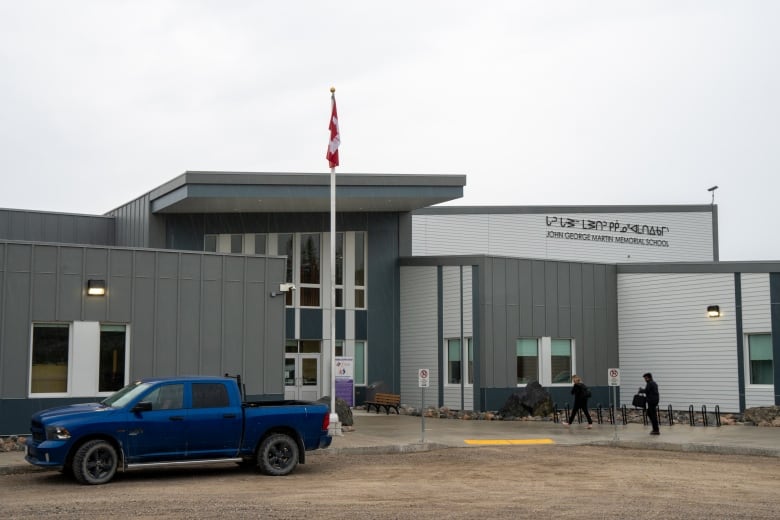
x=544, y=356
x=84, y=364
x=463, y=363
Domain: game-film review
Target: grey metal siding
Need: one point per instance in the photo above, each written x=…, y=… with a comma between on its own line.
x=596, y=234
x=63, y=228
x=187, y=313
x=553, y=299
x=419, y=333
x=664, y=329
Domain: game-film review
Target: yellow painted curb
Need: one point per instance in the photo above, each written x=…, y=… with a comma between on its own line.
x=506, y=442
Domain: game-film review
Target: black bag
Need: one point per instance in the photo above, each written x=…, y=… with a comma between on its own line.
x=639, y=401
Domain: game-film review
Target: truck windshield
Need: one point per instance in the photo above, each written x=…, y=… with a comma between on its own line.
x=121, y=397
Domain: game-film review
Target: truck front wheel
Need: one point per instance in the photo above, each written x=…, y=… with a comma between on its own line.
x=95, y=462
x=278, y=455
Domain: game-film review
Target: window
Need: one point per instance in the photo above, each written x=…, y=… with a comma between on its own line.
x=527, y=360
x=210, y=243
x=339, y=270
x=360, y=270
x=209, y=395
x=310, y=270
x=284, y=247
x=358, y=354
x=260, y=244
x=112, y=358
x=236, y=243
x=168, y=397
x=560, y=360
x=454, y=362
x=360, y=362
x=50, y=357
x=760, y=359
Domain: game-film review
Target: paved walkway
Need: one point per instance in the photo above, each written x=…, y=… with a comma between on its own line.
x=380, y=433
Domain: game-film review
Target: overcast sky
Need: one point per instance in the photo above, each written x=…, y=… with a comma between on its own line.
x=537, y=103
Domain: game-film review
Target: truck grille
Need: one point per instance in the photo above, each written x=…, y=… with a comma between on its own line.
x=38, y=433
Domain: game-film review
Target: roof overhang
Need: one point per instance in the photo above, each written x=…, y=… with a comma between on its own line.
x=231, y=192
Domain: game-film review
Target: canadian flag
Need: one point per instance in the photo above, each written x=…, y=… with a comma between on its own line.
x=333, y=146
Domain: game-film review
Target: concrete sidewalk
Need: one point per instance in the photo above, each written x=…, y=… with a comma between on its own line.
x=380, y=433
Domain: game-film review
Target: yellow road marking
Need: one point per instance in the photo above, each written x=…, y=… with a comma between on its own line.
x=506, y=442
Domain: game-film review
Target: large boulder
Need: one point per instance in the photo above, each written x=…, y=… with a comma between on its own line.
x=342, y=409
x=763, y=415
x=533, y=400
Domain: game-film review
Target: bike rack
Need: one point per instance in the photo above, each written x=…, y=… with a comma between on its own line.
x=704, y=415
x=671, y=415
x=611, y=415
x=624, y=410
x=691, y=419
x=717, y=415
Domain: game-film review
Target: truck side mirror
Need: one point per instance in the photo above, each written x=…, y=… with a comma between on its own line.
x=143, y=406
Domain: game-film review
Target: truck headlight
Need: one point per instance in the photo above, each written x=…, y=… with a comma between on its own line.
x=57, y=433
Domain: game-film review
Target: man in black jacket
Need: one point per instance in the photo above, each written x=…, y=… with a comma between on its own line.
x=653, y=398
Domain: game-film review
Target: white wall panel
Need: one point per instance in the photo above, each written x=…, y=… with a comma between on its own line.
x=583, y=237
x=663, y=328
x=419, y=331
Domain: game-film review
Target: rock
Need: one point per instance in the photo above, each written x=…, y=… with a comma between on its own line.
x=763, y=415
x=342, y=410
x=533, y=400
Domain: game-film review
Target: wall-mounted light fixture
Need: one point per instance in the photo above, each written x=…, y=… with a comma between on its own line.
x=96, y=287
x=283, y=288
x=713, y=311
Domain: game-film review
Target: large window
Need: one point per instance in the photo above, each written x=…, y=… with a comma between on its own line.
x=50, y=357
x=112, y=358
x=546, y=360
x=357, y=351
x=560, y=360
x=310, y=270
x=527, y=360
x=304, y=263
x=360, y=270
x=78, y=359
x=456, y=368
x=760, y=359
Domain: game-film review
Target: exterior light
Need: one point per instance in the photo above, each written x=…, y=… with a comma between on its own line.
x=713, y=311
x=96, y=287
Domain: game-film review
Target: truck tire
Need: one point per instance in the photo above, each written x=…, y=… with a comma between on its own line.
x=95, y=462
x=278, y=455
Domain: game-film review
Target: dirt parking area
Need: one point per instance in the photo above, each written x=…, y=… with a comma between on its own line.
x=486, y=482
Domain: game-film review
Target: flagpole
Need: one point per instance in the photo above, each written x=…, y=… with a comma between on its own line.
x=335, y=425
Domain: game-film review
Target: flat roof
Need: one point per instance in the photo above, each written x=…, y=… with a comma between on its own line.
x=257, y=192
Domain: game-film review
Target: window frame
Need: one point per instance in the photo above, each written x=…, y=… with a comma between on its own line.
x=466, y=352
x=748, y=361
x=69, y=366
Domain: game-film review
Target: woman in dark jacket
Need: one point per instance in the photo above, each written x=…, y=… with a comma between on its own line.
x=580, y=393
x=653, y=398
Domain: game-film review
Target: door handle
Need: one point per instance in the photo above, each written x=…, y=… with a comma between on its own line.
x=229, y=416
x=176, y=418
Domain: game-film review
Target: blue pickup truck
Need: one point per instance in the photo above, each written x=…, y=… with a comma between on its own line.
x=175, y=421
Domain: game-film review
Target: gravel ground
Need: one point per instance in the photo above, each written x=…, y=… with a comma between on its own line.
x=486, y=482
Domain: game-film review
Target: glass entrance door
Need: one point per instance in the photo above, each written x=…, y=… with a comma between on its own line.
x=302, y=376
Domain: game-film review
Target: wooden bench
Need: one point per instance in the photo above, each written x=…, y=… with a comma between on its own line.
x=386, y=401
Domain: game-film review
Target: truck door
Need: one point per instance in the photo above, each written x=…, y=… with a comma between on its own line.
x=214, y=424
x=159, y=434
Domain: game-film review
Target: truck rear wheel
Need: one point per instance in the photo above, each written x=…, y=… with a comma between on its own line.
x=95, y=462
x=278, y=455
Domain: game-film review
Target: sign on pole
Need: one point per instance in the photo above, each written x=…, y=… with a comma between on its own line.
x=613, y=376
x=423, y=378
